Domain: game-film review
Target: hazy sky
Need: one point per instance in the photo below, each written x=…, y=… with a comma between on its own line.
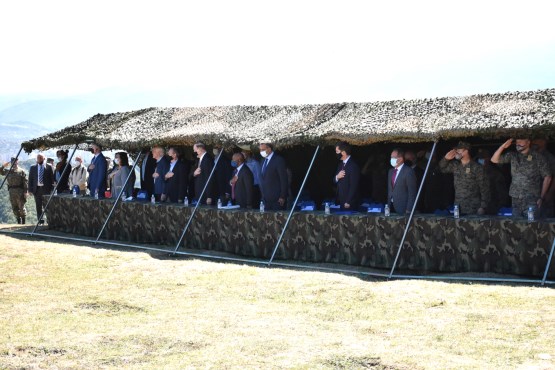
x=262, y=52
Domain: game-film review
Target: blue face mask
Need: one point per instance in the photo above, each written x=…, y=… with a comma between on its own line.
x=481, y=161
x=234, y=164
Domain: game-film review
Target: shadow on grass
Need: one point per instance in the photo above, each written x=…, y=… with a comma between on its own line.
x=164, y=252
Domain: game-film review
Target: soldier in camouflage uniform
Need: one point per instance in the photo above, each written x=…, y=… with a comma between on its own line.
x=471, y=184
x=547, y=210
x=17, y=187
x=531, y=176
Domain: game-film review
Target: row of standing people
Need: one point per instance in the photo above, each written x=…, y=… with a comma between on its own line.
x=477, y=183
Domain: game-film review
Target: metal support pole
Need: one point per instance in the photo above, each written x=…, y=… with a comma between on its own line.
x=294, y=205
x=119, y=197
x=198, y=204
x=68, y=165
x=548, y=263
x=407, y=227
x=11, y=168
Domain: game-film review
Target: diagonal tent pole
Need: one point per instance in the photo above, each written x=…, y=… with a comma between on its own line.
x=68, y=165
x=197, y=205
x=294, y=205
x=548, y=263
x=118, y=199
x=412, y=211
x=11, y=168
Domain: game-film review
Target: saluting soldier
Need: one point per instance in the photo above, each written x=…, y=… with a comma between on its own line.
x=531, y=176
x=17, y=188
x=471, y=185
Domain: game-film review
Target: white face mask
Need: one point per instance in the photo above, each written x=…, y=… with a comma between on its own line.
x=263, y=154
x=116, y=161
x=60, y=159
x=215, y=151
x=393, y=162
x=77, y=163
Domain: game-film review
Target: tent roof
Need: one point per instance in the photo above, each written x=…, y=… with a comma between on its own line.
x=489, y=115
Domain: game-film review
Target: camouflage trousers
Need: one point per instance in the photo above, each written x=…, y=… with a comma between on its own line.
x=18, y=200
x=520, y=206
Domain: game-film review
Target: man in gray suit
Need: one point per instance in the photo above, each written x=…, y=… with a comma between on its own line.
x=401, y=184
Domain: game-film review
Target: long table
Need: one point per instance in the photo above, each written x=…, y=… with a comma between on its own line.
x=433, y=244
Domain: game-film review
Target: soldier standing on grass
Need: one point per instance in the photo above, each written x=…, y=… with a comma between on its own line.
x=471, y=186
x=17, y=188
x=531, y=176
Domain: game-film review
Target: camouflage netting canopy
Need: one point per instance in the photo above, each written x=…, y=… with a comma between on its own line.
x=424, y=120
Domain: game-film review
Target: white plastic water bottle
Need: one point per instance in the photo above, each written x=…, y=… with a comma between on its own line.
x=123, y=196
x=456, y=213
x=55, y=192
x=219, y=203
x=262, y=206
x=74, y=193
x=530, y=214
x=96, y=194
x=327, y=208
x=152, y=199
x=186, y=202
x=386, y=210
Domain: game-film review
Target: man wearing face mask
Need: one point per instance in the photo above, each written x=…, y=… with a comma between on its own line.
x=242, y=182
x=401, y=184
x=176, y=178
x=97, y=172
x=274, y=180
x=531, y=176
x=201, y=173
x=41, y=183
x=471, y=184
x=78, y=175
x=347, y=178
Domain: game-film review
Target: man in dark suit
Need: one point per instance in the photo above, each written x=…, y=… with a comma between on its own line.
x=410, y=160
x=401, y=184
x=41, y=183
x=202, y=172
x=176, y=178
x=148, y=166
x=160, y=171
x=97, y=172
x=242, y=182
x=347, y=177
x=222, y=174
x=274, y=178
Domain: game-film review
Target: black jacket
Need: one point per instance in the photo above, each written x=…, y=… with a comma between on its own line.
x=348, y=186
x=274, y=182
x=47, y=180
x=147, y=182
x=176, y=186
x=244, y=188
x=200, y=181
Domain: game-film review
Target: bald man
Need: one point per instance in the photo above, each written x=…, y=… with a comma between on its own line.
x=41, y=182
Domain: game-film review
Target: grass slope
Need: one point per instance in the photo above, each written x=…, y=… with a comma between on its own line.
x=69, y=306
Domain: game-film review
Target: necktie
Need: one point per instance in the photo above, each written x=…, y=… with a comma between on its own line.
x=233, y=186
x=393, y=177
x=41, y=174
x=264, y=165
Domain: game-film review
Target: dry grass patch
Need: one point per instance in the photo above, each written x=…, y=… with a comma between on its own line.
x=75, y=306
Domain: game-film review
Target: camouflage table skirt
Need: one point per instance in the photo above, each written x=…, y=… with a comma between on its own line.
x=437, y=244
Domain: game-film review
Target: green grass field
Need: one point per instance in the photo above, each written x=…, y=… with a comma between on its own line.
x=82, y=307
